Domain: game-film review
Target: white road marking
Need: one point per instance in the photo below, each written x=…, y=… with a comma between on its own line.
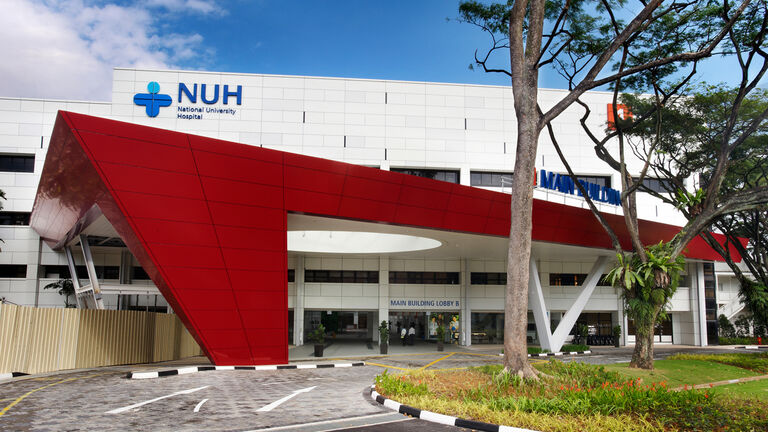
x=197, y=407
x=279, y=402
x=332, y=422
x=136, y=405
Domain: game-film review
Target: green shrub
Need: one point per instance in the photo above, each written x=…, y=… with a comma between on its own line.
x=582, y=374
x=737, y=341
x=574, y=347
x=725, y=328
x=396, y=385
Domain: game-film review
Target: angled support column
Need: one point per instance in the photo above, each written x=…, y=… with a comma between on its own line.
x=73, y=274
x=570, y=317
x=536, y=303
x=94, y=288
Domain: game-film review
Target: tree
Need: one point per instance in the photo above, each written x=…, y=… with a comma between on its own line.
x=699, y=121
x=753, y=288
x=579, y=38
x=715, y=135
x=65, y=287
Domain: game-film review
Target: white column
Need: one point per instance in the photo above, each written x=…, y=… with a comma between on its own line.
x=464, y=176
x=383, y=296
x=465, y=318
x=570, y=317
x=536, y=304
x=700, y=311
x=298, y=306
x=622, y=321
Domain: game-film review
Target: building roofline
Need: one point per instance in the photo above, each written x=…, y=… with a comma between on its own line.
x=344, y=79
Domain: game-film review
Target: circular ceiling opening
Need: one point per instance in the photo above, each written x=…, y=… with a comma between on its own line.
x=356, y=242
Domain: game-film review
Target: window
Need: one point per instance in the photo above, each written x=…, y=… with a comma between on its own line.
x=449, y=176
x=432, y=278
x=18, y=271
x=14, y=218
x=138, y=273
x=600, y=324
x=660, y=185
x=567, y=279
x=291, y=275
x=17, y=163
x=156, y=309
x=494, y=179
x=488, y=278
x=341, y=276
x=62, y=272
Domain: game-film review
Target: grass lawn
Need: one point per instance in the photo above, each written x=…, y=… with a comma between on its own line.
x=680, y=372
x=753, y=389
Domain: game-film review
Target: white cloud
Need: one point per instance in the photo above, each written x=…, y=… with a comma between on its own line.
x=200, y=6
x=67, y=48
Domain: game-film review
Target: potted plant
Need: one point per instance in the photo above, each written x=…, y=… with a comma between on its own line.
x=616, y=335
x=318, y=337
x=583, y=334
x=440, y=332
x=383, y=337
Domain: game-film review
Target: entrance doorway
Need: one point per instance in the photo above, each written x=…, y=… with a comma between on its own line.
x=341, y=325
x=424, y=324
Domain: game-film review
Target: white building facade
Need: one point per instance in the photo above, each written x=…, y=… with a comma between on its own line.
x=451, y=132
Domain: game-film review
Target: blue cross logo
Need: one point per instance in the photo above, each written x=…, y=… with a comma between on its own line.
x=152, y=100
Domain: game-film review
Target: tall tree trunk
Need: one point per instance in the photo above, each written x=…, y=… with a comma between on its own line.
x=642, y=356
x=516, y=299
x=524, y=58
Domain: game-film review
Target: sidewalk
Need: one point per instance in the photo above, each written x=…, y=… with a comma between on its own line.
x=354, y=348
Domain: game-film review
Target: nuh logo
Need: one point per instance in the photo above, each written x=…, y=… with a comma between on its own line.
x=152, y=100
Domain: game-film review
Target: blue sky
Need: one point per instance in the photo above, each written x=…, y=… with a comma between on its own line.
x=67, y=48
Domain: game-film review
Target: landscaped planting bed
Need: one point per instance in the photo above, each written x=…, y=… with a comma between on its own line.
x=571, y=397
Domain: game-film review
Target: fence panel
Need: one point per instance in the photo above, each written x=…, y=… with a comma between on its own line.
x=35, y=340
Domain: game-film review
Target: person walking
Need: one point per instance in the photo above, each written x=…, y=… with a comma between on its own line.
x=411, y=334
x=403, y=333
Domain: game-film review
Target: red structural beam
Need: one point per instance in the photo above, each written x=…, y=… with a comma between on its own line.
x=207, y=219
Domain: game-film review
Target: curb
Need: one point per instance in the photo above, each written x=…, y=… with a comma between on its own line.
x=557, y=354
x=195, y=369
x=10, y=375
x=753, y=347
x=441, y=418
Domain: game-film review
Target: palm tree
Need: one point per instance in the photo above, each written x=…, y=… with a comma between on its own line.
x=65, y=288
